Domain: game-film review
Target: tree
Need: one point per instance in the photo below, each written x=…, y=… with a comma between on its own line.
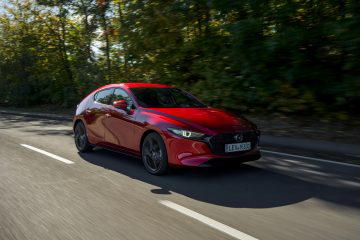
x=293, y=57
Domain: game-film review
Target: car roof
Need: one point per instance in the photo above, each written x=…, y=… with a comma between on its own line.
x=144, y=85
x=130, y=85
x=136, y=85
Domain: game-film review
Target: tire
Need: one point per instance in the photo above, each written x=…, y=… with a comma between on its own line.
x=81, y=139
x=154, y=154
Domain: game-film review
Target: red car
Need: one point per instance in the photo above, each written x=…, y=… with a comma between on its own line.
x=164, y=126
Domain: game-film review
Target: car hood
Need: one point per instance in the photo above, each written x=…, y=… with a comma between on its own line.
x=210, y=119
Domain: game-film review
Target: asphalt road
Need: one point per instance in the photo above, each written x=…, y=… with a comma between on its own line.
x=106, y=195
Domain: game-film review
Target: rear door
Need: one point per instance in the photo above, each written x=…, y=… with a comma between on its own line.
x=97, y=113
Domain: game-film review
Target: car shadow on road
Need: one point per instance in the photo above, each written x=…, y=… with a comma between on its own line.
x=242, y=187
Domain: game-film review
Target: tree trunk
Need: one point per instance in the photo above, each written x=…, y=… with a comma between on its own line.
x=87, y=31
x=199, y=17
x=122, y=30
x=62, y=39
x=103, y=7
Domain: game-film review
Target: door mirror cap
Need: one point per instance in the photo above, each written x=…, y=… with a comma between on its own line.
x=121, y=104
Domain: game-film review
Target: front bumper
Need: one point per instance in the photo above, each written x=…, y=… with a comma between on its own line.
x=213, y=159
x=186, y=152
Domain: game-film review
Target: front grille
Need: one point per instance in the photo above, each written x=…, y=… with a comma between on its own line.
x=217, y=142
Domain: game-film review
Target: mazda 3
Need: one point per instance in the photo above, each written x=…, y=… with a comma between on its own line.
x=164, y=126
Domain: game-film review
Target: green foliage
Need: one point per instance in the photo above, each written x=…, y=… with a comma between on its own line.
x=293, y=57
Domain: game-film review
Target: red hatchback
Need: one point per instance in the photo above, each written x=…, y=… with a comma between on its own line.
x=165, y=126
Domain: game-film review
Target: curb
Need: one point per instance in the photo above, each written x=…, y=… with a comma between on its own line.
x=51, y=116
x=311, y=145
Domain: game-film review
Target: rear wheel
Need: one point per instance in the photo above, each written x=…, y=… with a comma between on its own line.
x=81, y=140
x=154, y=155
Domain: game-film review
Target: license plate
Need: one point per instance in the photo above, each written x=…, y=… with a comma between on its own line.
x=237, y=147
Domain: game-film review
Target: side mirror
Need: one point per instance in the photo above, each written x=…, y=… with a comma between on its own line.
x=121, y=104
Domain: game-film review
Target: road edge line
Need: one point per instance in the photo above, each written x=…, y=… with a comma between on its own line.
x=64, y=160
x=312, y=158
x=208, y=221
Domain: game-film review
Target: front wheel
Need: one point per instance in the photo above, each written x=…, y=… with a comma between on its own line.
x=81, y=140
x=154, y=155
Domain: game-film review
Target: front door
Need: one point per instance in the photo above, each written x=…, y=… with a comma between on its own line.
x=121, y=123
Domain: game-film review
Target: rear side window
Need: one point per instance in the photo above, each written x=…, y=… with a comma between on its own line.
x=104, y=96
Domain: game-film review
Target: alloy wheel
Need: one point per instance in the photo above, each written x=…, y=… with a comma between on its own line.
x=80, y=137
x=153, y=154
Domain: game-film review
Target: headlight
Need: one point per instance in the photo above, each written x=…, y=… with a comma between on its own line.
x=186, y=133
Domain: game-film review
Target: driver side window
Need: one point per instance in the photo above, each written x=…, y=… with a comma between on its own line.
x=120, y=94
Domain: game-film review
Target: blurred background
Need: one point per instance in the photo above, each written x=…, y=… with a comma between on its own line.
x=296, y=60
x=290, y=66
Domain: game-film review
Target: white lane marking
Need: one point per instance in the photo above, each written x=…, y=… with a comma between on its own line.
x=208, y=221
x=48, y=154
x=311, y=158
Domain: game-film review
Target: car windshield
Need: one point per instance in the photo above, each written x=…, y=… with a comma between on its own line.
x=165, y=98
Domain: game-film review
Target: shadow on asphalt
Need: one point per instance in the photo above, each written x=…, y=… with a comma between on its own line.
x=242, y=187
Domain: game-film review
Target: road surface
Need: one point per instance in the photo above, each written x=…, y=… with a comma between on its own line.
x=50, y=191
